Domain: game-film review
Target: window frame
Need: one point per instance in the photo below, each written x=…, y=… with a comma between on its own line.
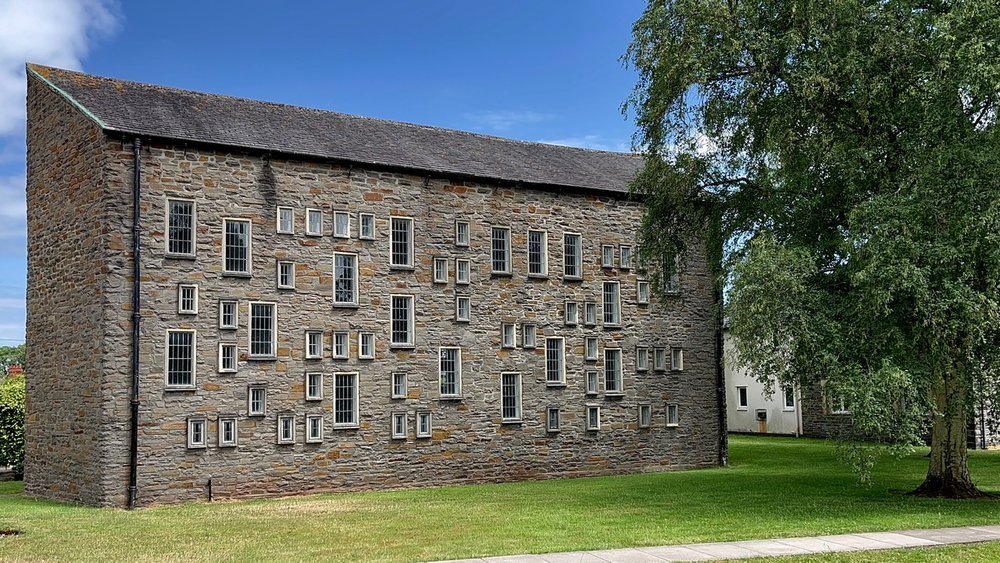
x=410, y=243
x=590, y=313
x=311, y=228
x=319, y=344
x=617, y=304
x=508, y=335
x=310, y=437
x=641, y=295
x=249, y=248
x=526, y=329
x=508, y=257
x=334, y=352
x=645, y=415
x=458, y=309
x=561, y=381
x=421, y=416
x=193, y=421
x=194, y=228
x=517, y=414
x=591, y=382
x=544, y=273
x=337, y=233
x=659, y=358
x=591, y=345
x=675, y=420
x=394, y=434
x=355, y=278
x=607, y=256
x=274, y=331
x=443, y=262
x=193, y=359
x=468, y=234
x=618, y=375
x=369, y=219
x=595, y=424
x=571, y=313
x=291, y=265
x=281, y=440
x=548, y=419
x=277, y=220
x=411, y=322
x=742, y=398
x=788, y=391
x=362, y=337
x=222, y=316
x=393, y=387
x=459, y=279
x=318, y=395
x=236, y=358
x=641, y=358
x=355, y=412
x=623, y=263
x=181, y=310
x=578, y=262
x=256, y=413
x=458, y=373
x=676, y=359
x=221, y=422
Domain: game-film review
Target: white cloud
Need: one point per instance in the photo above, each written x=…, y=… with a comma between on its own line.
x=596, y=142
x=51, y=32
x=506, y=120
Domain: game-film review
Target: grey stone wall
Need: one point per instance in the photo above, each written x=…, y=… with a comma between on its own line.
x=817, y=420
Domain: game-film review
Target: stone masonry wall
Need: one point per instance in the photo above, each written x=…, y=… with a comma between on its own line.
x=817, y=420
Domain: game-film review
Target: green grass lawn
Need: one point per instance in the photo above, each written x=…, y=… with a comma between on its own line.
x=774, y=487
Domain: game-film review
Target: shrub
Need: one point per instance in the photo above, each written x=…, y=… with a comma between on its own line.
x=12, y=423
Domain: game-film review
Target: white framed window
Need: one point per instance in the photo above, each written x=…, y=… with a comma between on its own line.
x=538, y=253
x=571, y=313
x=314, y=344
x=401, y=242
x=625, y=257
x=187, y=299
x=263, y=331
x=286, y=429
x=641, y=358
x=552, y=419
x=510, y=397
x=228, y=435
x=590, y=313
x=399, y=385
x=341, y=224
x=181, y=219
x=424, y=426
x=440, y=270
x=555, y=361
x=613, y=371
x=742, y=398
x=399, y=430
x=463, y=271
x=228, y=314
x=450, y=372
x=463, y=308
x=345, y=400
x=642, y=292
x=401, y=321
x=256, y=400
x=528, y=335
x=591, y=382
x=676, y=359
x=660, y=359
x=671, y=274
x=366, y=345
x=607, y=256
x=286, y=221
x=590, y=348
x=227, y=357
x=612, y=304
x=462, y=233
x=237, y=247
x=314, y=428
x=366, y=231
x=314, y=386
x=286, y=275
x=314, y=222
x=341, y=345
x=345, y=279
x=507, y=335
x=196, y=433
x=673, y=416
x=572, y=256
x=788, y=396
x=645, y=415
x=593, y=418
x=500, y=255
x=836, y=403
x=179, y=362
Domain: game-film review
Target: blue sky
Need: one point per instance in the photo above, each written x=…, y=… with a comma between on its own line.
x=534, y=70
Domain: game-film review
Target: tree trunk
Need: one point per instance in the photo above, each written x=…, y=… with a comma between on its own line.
x=948, y=472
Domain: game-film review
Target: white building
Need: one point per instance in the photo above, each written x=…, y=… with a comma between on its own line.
x=749, y=409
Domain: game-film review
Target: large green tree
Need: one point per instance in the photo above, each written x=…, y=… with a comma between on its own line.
x=847, y=154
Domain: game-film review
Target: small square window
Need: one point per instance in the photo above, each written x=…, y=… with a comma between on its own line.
x=398, y=385
x=314, y=428
x=256, y=400
x=314, y=222
x=529, y=337
x=463, y=308
x=399, y=430
x=341, y=345
x=591, y=348
x=187, y=299
x=572, y=313
x=227, y=432
x=552, y=419
x=424, y=429
x=507, y=335
x=742, y=398
x=314, y=344
x=591, y=382
x=660, y=359
x=607, y=256
x=676, y=359
x=227, y=357
x=593, y=418
x=366, y=346
x=673, y=418
x=286, y=429
x=462, y=233
x=196, y=428
x=367, y=229
x=286, y=275
x=642, y=292
x=645, y=416
x=440, y=270
x=314, y=386
x=341, y=224
x=590, y=313
x=286, y=221
x=228, y=314
x=625, y=257
x=463, y=271
x=641, y=359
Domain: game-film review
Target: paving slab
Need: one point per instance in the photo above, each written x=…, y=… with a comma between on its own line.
x=514, y=559
x=676, y=553
x=991, y=529
x=816, y=545
x=627, y=556
x=772, y=547
x=899, y=540
x=953, y=535
x=725, y=550
x=572, y=557
x=857, y=542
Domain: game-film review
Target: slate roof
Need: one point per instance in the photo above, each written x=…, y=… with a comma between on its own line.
x=141, y=109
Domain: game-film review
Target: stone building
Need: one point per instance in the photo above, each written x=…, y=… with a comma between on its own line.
x=231, y=298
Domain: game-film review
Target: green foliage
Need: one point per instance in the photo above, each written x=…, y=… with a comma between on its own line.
x=12, y=423
x=10, y=355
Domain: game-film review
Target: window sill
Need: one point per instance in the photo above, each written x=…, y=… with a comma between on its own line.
x=675, y=425
x=401, y=268
x=227, y=446
x=314, y=357
x=462, y=283
x=555, y=384
x=189, y=313
x=340, y=358
x=440, y=282
x=262, y=358
x=314, y=399
x=642, y=303
x=366, y=238
x=788, y=410
x=423, y=436
x=512, y=422
x=314, y=235
x=451, y=398
x=286, y=287
x=346, y=306
x=611, y=326
x=197, y=447
x=228, y=328
x=174, y=256
x=590, y=359
x=502, y=274
x=402, y=346
x=574, y=325
x=314, y=441
x=227, y=372
x=614, y=394
x=742, y=409
x=463, y=321
x=285, y=232
x=342, y=237
x=538, y=276
x=346, y=426
x=245, y=275
x=398, y=397
x=182, y=388
x=572, y=278
x=256, y=415
x=552, y=431
x=366, y=358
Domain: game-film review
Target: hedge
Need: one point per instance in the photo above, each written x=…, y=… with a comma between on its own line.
x=12, y=423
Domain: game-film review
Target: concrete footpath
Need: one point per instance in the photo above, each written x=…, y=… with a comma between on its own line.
x=762, y=548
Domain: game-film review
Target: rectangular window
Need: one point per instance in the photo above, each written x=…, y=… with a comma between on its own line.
x=590, y=348
x=671, y=274
x=180, y=364
x=401, y=243
x=424, y=428
x=398, y=385
x=345, y=400
x=367, y=229
x=742, y=398
x=590, y=313
x=366, y=346
x=625, y=257
x=673, y=419
x=593, y=418
x=510, y=397
x=314, y=344
x=256, y=400
x=591, y=382
x=401, y=321
x=612, y=304
x=659, y=359
x=676, y=359
x=236, y=251
x=341, y=345
x=501, y=251
x=508, y=337
x=196, y=430
x=462, y=233
x=314, y=428
x=572, y=313
x=314, y=222
x=450, y=372
x=263, y=332
x=227, y=432
x=645, y=416
x=463, y=271
x=399, y=430
x=345, y=279
x=789, y=397
x=613, y=371
x=572, y=256
x=227, y=357
x=314, y=386
x=180, y=227
x=642, y=292
x=528, y=336
x=286, y=275
x=538, y=253
x=440, y=270
x=607, y=256
x=463, y=308
x=641, y=359
x=286, y=221
x=341, y=224
x=286, y=429
x=552, y=419
x=187, y=299
x=228, y=314
x=555, y=364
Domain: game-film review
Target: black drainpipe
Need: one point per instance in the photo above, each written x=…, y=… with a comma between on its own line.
x=133, y=460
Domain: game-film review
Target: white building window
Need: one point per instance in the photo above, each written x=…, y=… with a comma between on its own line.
x=286, y=275
x=314, y=386
x=673, y=418
x=590, y=348
x=424, y=427
x=314, y=222
x=401, y=242
x=314, y=428
x=463, y=271
x=187, y=299
x=228, y=314
x=642, y=292
x=641, y=359
x=450, y=372
x=572, y=256
x=366, y=346
x=538, y=253
x=676, y=359
x=179, y=359
x=180, y=228
x=645, y=416
x=227, y=357
x=612, y=304
x=440, y=270
x=314, y=344
x=286, y=429
x=510, y=397
x=625, y=257
x=341, y=345
x=607, y=256
x=398, y=385
x=367, y=228
x=552, y=422
x=227, y=432
x=613, y=371
x=528, y=335
x=345, y=279
x=555, y=361
x=401, y=321
x=590, y=313
x=462, y=233
x=263, y=332
x=572, y=313
x=286, y=221
x=256, y=400
x=463, y=308
x=345, y=400
x=660, y=359
x=399, y=430
x=788, y=393
x=593, y=418
x=742, y=398
x=237, y=247
x=507, y=335
x=500, y=257
x=591, y=382
x=341, y=224
x=196, y=433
